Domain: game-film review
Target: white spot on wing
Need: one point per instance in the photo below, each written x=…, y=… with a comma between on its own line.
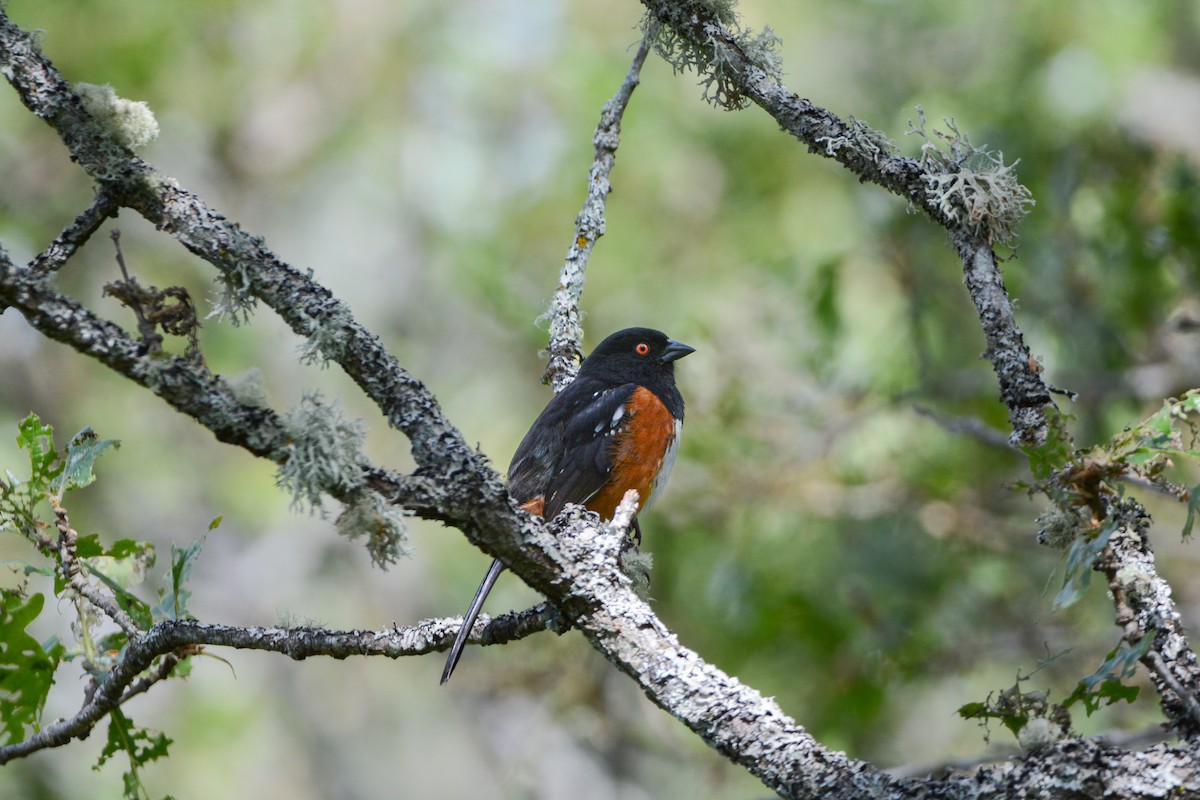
x=612, y=423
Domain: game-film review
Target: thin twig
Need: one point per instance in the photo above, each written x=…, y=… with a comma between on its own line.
x=145, y=327
x=72, y=571
x=75, y=235
x=173, y=638
x=1154, y=660
x=566, y=332
x=972, y=426
x=160, y=673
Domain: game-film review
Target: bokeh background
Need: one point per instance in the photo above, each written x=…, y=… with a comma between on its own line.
x=823, y=538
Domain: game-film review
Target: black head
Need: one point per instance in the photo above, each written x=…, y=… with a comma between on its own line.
x=635, y=354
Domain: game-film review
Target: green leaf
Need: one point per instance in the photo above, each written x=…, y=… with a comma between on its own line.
x=37, y=440
x=1078, y=568
x=1141, y=456
x=19, y=498
x=138, y=609
x=141, y=745
x=125, y=563
x=26, y=666
x=121, y=567
x=88, y=546
x=174, y=596
x=132, y=785
x=109, y=643
x=1106, y=693
x=1193, y=505
x=183, y=669
x=1104, y=687
x=118, y=567
x=1014, y=722
x=1112, y=691
x=26, y=569
x=1056, y=451
x=973, y=710
x=81, y=455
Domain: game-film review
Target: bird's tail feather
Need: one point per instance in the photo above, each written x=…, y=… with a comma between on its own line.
x=469, y=618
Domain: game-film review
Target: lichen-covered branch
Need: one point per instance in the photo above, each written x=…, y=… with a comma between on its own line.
x=243, y=259
x=566, y=332
x=75, y=235
x=177, y=638
x=753, y=731
x=743, y=65
x=1145, y=608
x=191, y=388
x=1022, y=389
x=186, y=385
x=975, y=197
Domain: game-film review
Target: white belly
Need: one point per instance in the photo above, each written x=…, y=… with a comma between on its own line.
x=664, y=472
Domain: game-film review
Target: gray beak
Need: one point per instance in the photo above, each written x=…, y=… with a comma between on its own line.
x=675, y=351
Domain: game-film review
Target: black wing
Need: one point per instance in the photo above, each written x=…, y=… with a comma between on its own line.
x=565, y=458
x=566, y=455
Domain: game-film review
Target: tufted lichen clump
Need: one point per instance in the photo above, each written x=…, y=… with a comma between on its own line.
x=324, y=454
x=717, y=52
x=130, y=123
x=383, y=523
x=972, y=186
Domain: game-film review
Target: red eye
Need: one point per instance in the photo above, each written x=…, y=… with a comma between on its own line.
x=642, y=348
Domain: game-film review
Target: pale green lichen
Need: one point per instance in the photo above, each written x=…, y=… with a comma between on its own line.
x=248, y=387
x=1057, y=528
x=1137, y=580
x=972, y=186
x=235, y=301
x=861, y=139
x=324, y=454
x=1039, y=733
x=718, y=57
x=326, y=339
x=130, y=123
x=289, y=621
x=382, y=522
x=636, y=565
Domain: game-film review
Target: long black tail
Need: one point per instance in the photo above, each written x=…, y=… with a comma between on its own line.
x=469, y=618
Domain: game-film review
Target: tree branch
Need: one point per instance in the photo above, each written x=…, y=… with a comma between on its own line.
x=177, y=638
x=75, y=235
x=188, y=386
x=971, y=426
x=1145, y=608
x=1022, y=389
x=869, y=155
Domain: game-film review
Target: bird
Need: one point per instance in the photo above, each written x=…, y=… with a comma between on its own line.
x=614, y=428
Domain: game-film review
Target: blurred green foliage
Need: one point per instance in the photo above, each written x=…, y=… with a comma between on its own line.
x=822, y=540
x=32, y=509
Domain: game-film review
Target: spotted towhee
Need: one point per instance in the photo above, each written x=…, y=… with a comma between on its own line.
x=614, y=428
